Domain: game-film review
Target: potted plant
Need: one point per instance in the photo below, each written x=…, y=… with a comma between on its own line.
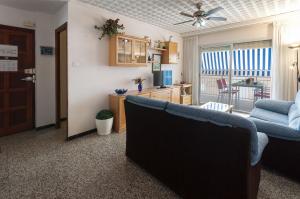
x=110, y=28
x=104, y=122
x=139, y=82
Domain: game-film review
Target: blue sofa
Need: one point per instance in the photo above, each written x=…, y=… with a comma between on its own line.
x=198, y=153
x=280, y=120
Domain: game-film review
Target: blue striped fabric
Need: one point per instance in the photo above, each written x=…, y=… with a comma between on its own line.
x=246, y=62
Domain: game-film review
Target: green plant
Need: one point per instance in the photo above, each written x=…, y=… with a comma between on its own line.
x=110, y=28
x=104, y=115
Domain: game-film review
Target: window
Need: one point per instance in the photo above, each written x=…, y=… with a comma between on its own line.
x=236, y=64
x=246, y=62
x=249, y=59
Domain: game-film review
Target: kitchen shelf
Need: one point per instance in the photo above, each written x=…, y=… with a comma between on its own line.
x=158, y=49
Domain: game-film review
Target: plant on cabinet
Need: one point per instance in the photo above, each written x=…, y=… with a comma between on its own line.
x=139, y=82
x=110, y=28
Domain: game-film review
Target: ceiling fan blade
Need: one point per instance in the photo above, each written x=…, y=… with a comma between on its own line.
x=186, y=14
x=184, y=22
x=217, y=18
x=194, y=23
x=212, y=11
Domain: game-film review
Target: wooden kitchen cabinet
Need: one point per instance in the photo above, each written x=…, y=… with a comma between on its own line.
x=127, y=50
x=169, y=56
x=164, y=95
x=116, y=103
x=186, y=93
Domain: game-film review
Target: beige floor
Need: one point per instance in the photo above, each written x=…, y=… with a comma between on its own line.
x=42, y=165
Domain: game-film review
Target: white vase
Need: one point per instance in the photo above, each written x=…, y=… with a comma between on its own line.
x=104, y=126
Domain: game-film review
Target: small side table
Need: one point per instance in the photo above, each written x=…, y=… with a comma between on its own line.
x=186, y=93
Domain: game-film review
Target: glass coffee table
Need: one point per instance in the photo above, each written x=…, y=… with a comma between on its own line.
x=217, y=107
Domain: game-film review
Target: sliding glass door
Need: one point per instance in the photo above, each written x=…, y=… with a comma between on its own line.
x=215, y=74
x=237, y=74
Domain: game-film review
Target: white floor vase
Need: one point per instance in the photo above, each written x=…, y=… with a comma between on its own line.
x=104, y=127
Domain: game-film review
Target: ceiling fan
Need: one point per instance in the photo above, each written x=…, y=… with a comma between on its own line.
x=200, y=16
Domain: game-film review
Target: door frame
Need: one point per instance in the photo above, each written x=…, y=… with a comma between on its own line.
x=33, y=66
x=60, y=29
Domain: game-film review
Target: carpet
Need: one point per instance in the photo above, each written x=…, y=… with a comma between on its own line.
x=41, y=164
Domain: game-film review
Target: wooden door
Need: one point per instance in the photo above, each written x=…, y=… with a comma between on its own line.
x=176, y=95
x=124, y=49
x=164, y=94
x=169, y=56
x=122, y=122
x=139, y=52
x=173, y=53
x=16, y=95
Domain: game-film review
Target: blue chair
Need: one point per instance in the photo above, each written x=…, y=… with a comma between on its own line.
x=280, y=120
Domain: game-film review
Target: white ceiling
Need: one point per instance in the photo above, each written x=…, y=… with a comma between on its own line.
x=164, y=13
x=45, y=6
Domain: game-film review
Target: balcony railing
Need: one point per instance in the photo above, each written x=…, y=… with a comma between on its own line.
x=245, y=100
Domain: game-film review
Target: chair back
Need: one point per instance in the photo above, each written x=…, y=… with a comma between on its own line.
x=224, y=83
x=220, y=85
x=265, y=93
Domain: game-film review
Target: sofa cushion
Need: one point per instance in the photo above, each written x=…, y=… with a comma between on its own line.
x=269, y=116
x=294, y=112
x=277, y=106
x=147, y=102
x=295, y=124
x=276, y=130
x=262, y=143
x=218, y=118
x=297, y=100
x=294, y=117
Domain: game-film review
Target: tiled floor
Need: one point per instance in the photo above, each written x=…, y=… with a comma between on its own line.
x=40, y=164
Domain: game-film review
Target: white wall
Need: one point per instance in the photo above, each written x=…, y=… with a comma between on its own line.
x=45, y=65
x=292, y=26
x=45, y=86
x=45, y=72
x=263, y=30
x=91, y=80
x=243, y=34
x=61, y=16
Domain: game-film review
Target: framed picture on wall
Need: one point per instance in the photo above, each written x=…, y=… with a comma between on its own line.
x=156, y=64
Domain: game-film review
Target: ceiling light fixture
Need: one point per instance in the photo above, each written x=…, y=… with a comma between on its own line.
x=200, y=17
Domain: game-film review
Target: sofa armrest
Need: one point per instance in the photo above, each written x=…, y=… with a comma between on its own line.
x=276, y=130
x=262, y=140
x=277, y=106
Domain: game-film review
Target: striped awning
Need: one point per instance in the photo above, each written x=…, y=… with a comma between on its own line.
x=246, y=62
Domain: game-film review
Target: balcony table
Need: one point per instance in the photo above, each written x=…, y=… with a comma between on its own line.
x=242, y=83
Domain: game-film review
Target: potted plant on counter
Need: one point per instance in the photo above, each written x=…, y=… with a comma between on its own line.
x=104, y=122
x=139, y=82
